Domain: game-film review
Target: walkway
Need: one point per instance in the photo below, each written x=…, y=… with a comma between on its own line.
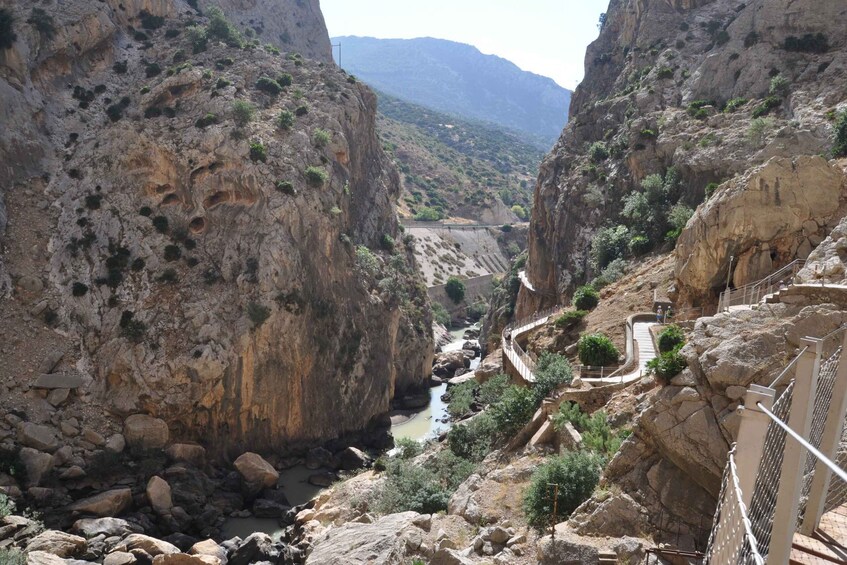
x=513, y=352
x=646, y=352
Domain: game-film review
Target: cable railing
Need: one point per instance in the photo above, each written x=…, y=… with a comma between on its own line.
x=787, y=469
x=754, y=292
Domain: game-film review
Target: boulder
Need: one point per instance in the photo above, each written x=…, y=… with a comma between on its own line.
x=106, y=504
x=351, y=459
x=72, y=473
x=116, y=443
x=109, y=527
x=58, y=380
x=565, y=548
x=210, y=548
x=58, y=543
x=36, y=463
x=42, y=438
x=323, y=479
x=93, y=437
x=264, y=508
x=255, y=470
x=119, y=558
x=159, y=495
x=149, y=544
x=187, y=453
x=58, y=396
x=257, y=547
x=491, y=366
x=376, y=542
x=145, y=432
x=319, y=457
x=445, y=556
x=184, y=559
x=446, y=364
x=46, y=558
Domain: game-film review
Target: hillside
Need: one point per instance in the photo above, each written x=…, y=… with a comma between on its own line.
x=458, y=79
x=457, y=167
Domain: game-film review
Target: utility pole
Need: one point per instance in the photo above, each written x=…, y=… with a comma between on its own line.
x=555, y=508
x=339, y=52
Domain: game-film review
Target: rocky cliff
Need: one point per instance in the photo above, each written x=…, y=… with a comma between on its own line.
x=697, y=93
x=197, y=226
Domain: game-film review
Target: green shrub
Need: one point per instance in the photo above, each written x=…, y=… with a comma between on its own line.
x=520, y=212
x=258, y=152
x=768, y=104
x=575, y=473
x=258, y=313
x=160, y=223
x=697, y=109
x=552, y=371
x=316, y=176
x=472, y=440
x=679, y=215
x=424, y=489
x=172, y=252
x=440, y=314
x=735, y=103
x=42, y=22
x=408, y=448
x=131, y=328
x=206, y=120
x=570, y=319
x=367, y=261
x=710, y=189
x=585, y=298
x=242, y=112
x=7, y=31
x=598, y=152
x=220, y=28
x=597, y=434
x=477, y=310
x=597, y=350
x=491, y=390
x=667, y=365
x=648, y=134
x=285, y=120
x=462, y=398
x=427, y=214
x=93, y=201
x=285, y=187
x=268, y=85
x=514, y=410
x=152, y=70
x=670, y=337
x=779, y=86
x=758, y=130
x=613, y=272
x=222, y=83
x=79, y=289
x=149, y=21
x=285, y=80
x=455, y=289
x=321, y=137
x=608, y=244
x=664, y=72
x=839, y=147
x=809, y=43
x=639, y=245
x=301, y=111
x=115, y=112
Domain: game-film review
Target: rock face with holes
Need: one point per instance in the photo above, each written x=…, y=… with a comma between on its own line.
x=656, y=100
x=209, y=249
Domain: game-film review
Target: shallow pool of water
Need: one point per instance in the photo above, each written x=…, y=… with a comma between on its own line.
x=243, y=527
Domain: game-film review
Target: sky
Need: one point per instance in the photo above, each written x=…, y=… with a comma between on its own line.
x=547, y=37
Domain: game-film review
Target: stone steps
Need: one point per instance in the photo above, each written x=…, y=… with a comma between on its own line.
x=607, y=558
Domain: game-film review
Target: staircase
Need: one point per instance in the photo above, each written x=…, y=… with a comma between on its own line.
x=608, y=558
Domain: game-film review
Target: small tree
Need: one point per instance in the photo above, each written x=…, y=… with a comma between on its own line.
x=552, y=371
x=242, y=112
x=455, y=289
x=285, y=120
x=585, y=298
x=597, y=350
x=575, y=473
x=670, y=337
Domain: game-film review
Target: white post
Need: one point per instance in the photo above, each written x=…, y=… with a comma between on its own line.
x=794, y=456
x=751, y=438
x=829, y=446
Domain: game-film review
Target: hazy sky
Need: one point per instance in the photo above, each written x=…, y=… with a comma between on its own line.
x=547, y=37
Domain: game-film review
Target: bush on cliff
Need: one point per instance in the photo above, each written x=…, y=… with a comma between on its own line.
x=585, y=298
x=575, y=473
x=552, y=371
x=570, y=318
x=597, y=350
x=667, y=365
x=455, y=289
x=670, y=337
x=839, y=149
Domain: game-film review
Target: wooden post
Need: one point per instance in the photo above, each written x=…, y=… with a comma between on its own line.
x=555, y=507
x=794, y=456
x=830, y=440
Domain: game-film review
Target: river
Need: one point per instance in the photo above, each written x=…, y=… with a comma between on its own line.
x=429, y=423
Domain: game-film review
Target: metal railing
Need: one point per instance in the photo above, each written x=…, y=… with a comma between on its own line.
x=788, y=445
x=754, y=292
x=522, y=362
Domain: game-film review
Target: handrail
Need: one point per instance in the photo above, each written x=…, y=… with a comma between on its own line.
x=752, y=293
x=842, y=474
x=788, y=368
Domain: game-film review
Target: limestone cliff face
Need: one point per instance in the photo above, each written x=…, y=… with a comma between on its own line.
x=212, y=274
x=657, y=81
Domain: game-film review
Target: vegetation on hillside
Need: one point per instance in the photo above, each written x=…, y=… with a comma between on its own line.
x=452, y=166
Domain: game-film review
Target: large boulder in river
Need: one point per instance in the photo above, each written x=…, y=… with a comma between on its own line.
x=93, y=527
x=446, y=364
x=256, y=471
x=378, y=542
x=351, y=459
x=144, y=432
x=105, y=504
x=57, y=543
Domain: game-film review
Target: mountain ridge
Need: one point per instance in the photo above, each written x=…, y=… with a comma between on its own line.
x=457, y=78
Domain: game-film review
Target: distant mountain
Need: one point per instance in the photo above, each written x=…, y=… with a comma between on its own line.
x=458, y=79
